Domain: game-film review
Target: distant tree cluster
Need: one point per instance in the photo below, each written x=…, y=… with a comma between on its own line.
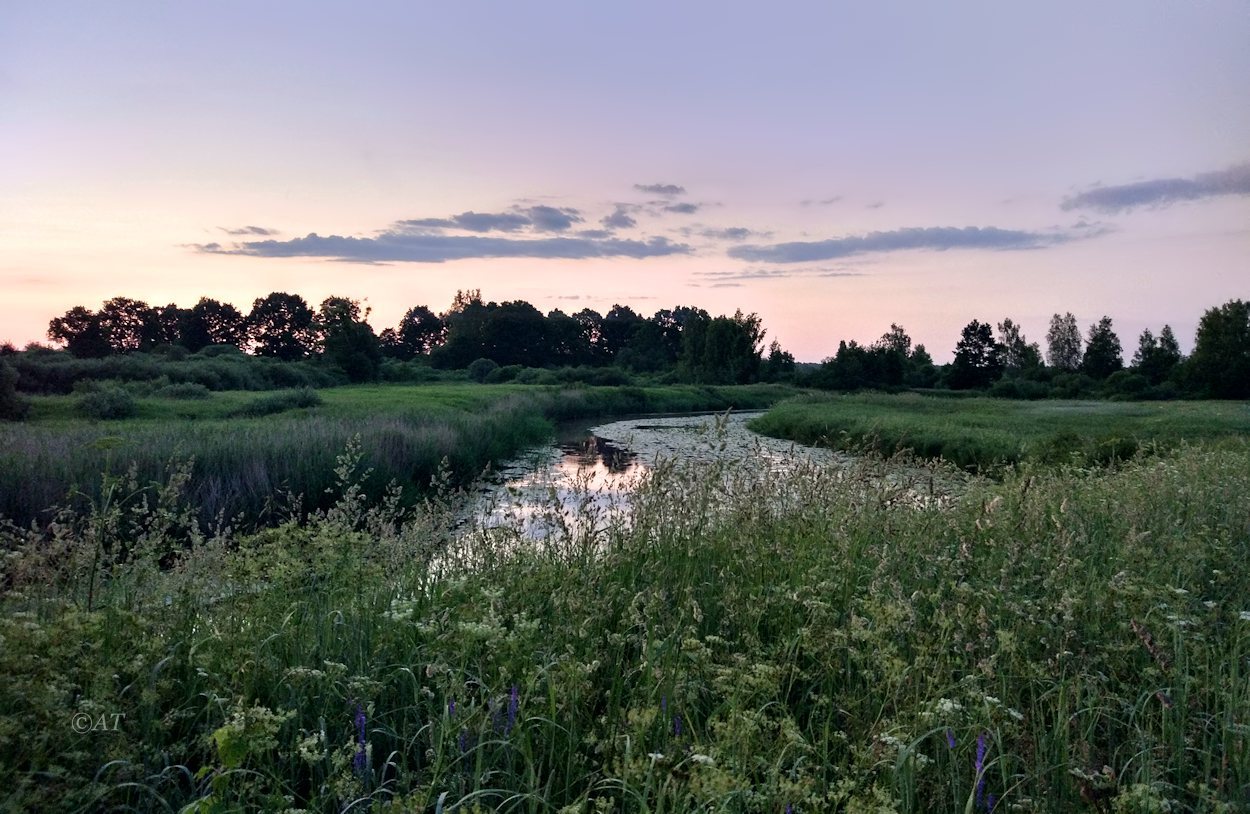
x=1005, y=363
x=688, y=342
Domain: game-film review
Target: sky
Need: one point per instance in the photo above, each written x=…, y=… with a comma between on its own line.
x=833, y=167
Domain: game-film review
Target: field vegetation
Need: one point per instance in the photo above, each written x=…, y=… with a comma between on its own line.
x=982, y=433
x=825, y=639
x=252, y=449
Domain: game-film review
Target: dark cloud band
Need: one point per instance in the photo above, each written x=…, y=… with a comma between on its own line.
x=405, y=247
x=1164, y=191
x=934, y=238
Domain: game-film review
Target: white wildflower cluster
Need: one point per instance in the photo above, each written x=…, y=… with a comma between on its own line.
x=312, y=748
x=1013, y=714
x=1244, y=616
x=401, y=609
x=943, y=710
x=703, y=760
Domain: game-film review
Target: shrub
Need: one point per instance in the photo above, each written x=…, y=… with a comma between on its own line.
x=479, y=369
x=107, y=403
x=183, y=390
x=12, y=406
x=277, y=403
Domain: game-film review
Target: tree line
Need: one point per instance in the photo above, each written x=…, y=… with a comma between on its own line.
x=492, y=341
x=684, y=340
x=1000, y=359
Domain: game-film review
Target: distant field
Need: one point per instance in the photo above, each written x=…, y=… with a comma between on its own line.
x=979, y=433
x=244, y=463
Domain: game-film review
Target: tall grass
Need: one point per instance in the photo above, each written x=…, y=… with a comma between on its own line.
x=980, y=433
x=243, y=464
x=820, y=639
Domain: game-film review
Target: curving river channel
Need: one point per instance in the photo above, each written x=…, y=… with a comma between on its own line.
x=590, y=470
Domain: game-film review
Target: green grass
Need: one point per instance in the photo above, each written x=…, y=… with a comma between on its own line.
x=978, y=433
x=747, y=642
x=244, y=464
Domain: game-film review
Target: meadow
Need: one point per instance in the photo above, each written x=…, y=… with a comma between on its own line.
x=835, y=637
x=250, y=449
x=982, y=433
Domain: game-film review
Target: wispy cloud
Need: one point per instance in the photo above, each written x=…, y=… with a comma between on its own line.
x=820, y=202
x=540, y=218
x=406, y=246
x=933, y=238
x=619, y=219
x=661, y=189
x=1160, y=192
x=682, y=208
x=729, y=233
x=775, y=274
x=248, y=231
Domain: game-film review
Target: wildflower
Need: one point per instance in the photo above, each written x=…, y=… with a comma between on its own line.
x=677, y=725
x=980, y=768
x=514, y=701
x=789, y=808
x=1244, y=616
x=359, y=761
x=463, y=741
x=990, y=802
x=950, y=738
x=451, y=707
x=655, y=756
x=703, y=760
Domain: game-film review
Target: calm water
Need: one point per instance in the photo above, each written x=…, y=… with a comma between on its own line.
x=587, y=475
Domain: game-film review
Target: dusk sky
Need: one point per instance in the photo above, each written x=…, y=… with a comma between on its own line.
x=832, y=167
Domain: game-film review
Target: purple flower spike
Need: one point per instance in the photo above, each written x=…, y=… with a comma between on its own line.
x=451, y=706
x=664, y=705
x=980, y=769
x=950, y=738
x=677, y=725
x=359, y=761
x=514, y=702
x=789, y=808
x=991, y=801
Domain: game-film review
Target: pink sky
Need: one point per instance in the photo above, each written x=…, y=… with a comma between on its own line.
x=901, y=163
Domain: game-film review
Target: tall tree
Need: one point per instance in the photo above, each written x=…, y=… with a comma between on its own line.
x=128, y=324
x=1156, y=358
x=347, y=341
x=978, y=358
x=420, y=332
x=79, y=328
x=1220, y=364
x=1018, y=353
x=1103, y=355
x=214, y=323
x=1063, y=343
x=282, y=325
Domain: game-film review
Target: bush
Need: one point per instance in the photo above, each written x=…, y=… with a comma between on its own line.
x=277, y=403
x=479, y=369
x=108, y=403
x=183, y=390
x=12, y=406
x=504, y=374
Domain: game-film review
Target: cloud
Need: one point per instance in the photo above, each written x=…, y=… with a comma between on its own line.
x=553, y=219
x=682, y=208
x=247, y=231
x=661, y=189
x=402, y=246
x=1160, y=192
x=875, y=205
x=775, y=274
x=730, y=233
x=935, y=238
x=540, y=218
x=619, y=219
x=820, y=202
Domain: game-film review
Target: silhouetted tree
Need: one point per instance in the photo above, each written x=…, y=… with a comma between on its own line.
x=1063, y=343
x=1220, y=364
x=79, y=328
x=1018, y=353
x=515, y=333
x=282, y=325
x=346, y=339
x=1155, y=359
x=1103, y=355
x=465, y=339
x=420, y=332
x=978, y=358
x=128, y=325
x=778, y=365
x=617, y=327
x=210, y=322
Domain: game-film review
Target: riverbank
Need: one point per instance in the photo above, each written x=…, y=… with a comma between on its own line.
x=981, y=433
x=246, y=461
